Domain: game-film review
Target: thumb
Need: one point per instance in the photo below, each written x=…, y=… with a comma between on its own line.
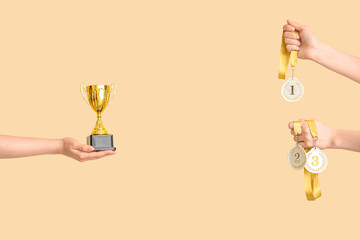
x=86, y=148
x=81, y=147
x=298, y=27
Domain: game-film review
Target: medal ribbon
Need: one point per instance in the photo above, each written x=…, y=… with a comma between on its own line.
x=284, y=58
x=311, y=180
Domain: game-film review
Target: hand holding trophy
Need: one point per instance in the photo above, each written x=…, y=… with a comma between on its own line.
x=99, y=97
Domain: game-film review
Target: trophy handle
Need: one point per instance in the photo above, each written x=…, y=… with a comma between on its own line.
x=112, y=92
x=82, y=88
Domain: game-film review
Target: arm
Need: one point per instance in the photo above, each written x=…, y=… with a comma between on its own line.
x=347, y=139
x=310, y=48
x=328, y=137
x=14, y=147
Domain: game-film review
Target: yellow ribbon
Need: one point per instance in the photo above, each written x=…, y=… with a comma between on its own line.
x=312, y=185
x=311, y=180
x=297, y=128
x=284, y=58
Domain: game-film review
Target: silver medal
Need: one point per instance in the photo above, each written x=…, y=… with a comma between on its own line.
x=297, y=157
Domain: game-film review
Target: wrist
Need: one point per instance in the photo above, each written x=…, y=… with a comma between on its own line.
x=58, y=146
x=335, y=140
x=317, y=52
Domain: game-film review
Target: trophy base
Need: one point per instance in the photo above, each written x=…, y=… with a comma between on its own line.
x=101, y=142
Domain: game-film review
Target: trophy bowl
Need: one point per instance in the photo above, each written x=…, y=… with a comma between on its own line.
x=99, y=97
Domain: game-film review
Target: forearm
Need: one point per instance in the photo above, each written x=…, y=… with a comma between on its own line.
x=346, y=139
x=13, y=147
x=337, y=61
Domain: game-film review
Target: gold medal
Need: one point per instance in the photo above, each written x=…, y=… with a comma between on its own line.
x=292, y=90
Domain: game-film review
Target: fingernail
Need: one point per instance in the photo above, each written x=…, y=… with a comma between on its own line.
x=91, y=148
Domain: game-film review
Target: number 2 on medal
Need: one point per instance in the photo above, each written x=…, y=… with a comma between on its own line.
x=292, y=90
x=316, y=160
x=297, y=156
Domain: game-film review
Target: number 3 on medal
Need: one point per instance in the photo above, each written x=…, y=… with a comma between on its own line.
x=316, y=160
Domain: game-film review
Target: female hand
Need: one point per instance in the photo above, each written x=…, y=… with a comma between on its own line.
x=81, y=152
x=305, y=43
x=325, y=135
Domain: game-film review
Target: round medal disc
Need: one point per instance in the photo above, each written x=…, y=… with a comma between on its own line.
x=297, y=157
x=292, y=90
x=316, y=161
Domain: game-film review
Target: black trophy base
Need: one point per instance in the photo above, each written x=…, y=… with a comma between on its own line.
x=101, y=142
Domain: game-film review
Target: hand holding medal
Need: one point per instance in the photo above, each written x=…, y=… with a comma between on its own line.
x=314, y=161
x=297, y=155
x=292, y=90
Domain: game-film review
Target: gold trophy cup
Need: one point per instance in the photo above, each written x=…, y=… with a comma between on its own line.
x=99, y=97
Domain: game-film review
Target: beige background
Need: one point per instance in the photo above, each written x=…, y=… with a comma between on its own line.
x=199, y=121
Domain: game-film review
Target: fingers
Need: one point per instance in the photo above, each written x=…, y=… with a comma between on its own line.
x=290, y=41
x=292, y=132
x=81, y=147
x=83, y=156
x=307, y=144
x=288, y=28
x=291, y=35
x=297, y=26
x=305, y=137
x=290, y=48
x=304, y=126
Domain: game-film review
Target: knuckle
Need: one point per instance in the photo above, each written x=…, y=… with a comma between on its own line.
x=305, y=129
